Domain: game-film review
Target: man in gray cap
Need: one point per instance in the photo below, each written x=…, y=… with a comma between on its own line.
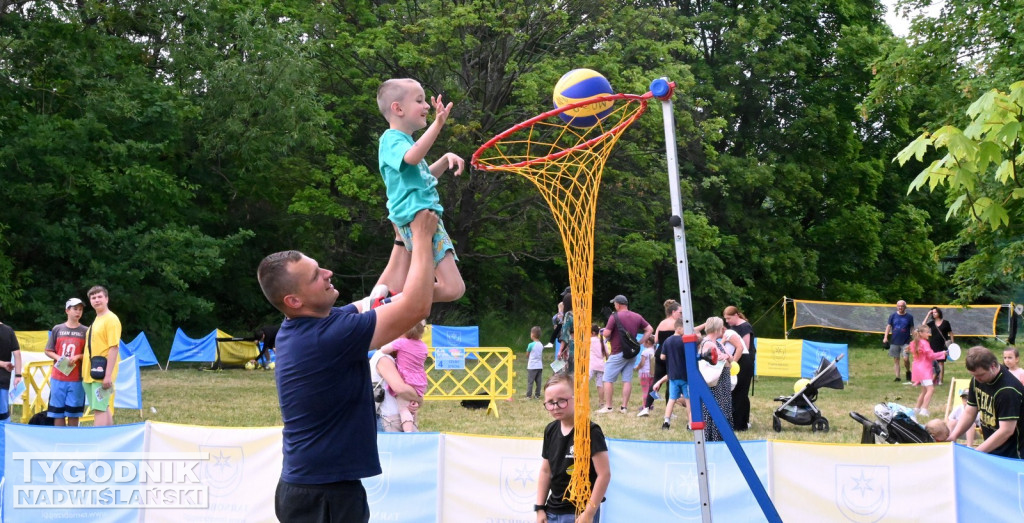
x=617, y=364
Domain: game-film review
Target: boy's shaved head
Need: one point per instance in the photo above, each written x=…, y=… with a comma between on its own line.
x=392, y=91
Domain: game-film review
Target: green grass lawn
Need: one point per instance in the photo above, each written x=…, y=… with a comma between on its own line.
x=240, y=398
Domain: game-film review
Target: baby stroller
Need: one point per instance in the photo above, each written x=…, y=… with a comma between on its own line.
x=799, y=408
x=895, y=425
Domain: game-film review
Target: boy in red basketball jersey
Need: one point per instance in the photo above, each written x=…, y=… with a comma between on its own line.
x=67, y=340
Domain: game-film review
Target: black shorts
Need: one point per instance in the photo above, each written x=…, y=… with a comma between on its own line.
x=342, y=502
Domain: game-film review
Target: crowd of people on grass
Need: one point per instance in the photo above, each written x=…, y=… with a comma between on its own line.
x=660, y=362
x=994, y=400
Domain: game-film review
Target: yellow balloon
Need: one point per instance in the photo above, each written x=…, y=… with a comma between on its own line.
x=800, y=384
x=735, y=368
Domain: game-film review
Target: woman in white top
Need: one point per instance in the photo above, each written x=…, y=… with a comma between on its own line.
x=384, y=371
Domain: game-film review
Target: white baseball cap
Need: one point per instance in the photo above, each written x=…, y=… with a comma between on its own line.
x=72, y=302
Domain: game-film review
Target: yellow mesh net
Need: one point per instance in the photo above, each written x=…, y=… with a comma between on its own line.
x=565, y=163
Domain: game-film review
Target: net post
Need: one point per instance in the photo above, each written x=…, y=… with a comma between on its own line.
x=785, y=319
x=662, y=86
x=662, y=89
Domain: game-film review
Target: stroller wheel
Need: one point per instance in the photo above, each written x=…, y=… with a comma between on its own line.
x=820, y=424
x=776, y=423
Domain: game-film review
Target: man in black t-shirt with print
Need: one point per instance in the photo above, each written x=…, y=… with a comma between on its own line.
x=999, y=398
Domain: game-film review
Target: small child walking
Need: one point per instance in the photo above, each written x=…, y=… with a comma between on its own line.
x=598, y=354
x=534, y=365
x=644, y=367
x=410, y=354
x=411, y=184
x=559, y=459
x=921, y=372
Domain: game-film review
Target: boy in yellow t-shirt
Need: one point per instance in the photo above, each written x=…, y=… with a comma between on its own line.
x=102, y=340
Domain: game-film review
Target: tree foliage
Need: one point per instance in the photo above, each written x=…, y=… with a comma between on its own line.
x=162, y=148
x=943, y=82
x=981, y=171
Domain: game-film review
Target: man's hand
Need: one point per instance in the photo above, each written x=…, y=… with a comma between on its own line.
x=7, y=365
x=107, y=382
x=425, y=223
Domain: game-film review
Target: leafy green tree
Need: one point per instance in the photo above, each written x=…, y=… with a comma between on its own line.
x=139, y=151
x=796, y=183
x=981, y=170
x=928, y=82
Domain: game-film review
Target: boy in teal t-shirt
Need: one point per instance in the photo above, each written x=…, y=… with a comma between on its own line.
x=412, y=184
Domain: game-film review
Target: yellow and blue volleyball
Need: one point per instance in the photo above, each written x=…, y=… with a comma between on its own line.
x=579, y=85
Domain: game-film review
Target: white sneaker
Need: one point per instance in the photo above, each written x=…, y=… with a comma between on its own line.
x=644, y=412
x=923, y=412
x=603, y=410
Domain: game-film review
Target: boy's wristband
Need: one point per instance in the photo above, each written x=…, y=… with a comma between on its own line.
x=539, y=507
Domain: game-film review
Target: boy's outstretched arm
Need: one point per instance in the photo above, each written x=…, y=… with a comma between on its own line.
x=446, y=162
x=419, y=150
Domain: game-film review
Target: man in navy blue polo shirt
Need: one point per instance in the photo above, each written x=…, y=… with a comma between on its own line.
x=323, y=378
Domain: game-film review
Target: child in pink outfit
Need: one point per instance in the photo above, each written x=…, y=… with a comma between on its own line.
x=410, y=354
x=646, y=362
x=598, y=353
x=922, y=373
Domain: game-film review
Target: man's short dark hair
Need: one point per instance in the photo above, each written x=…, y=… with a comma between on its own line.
x=275, y=280
x=980, y=358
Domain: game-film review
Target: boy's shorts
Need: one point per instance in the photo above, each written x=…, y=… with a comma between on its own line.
x=677, y=388
x=617, y=365
x=67, y=399
x=441, y=242
x=599, y=374
x=97, y=405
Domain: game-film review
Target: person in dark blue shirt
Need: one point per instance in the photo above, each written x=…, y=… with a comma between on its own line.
x=673, y=353
x=899, y=325
x=323, y=378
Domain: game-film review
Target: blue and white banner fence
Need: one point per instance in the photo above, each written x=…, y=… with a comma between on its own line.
x=164, y=472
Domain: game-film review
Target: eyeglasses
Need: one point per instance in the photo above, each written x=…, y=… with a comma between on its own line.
x=560, y=403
